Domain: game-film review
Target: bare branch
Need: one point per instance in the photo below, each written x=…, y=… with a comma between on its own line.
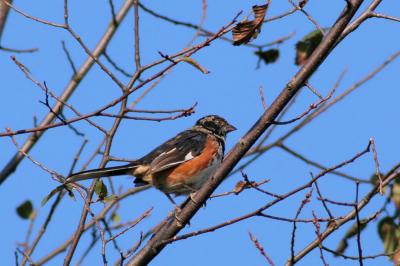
x=377, y=171
x=264, y=104
x=261, y=249
x=303, y=203
x=137, y=49
x=358, y=228
x=309, y=17
x=319, y=166
x=318, y=233
x=54, y=174
x=155, y=245
x=379, y=15
x=69, y=58
x=18, y=51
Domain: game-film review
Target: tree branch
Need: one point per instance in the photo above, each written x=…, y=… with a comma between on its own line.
x=153, y=247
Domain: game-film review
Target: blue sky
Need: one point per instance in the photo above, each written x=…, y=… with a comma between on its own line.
x=230, y=90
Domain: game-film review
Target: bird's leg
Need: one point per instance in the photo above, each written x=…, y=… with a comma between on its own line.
x=191, y=195
x=189, y=188
x=192, y=192
x=172, y=201
x=177, y=209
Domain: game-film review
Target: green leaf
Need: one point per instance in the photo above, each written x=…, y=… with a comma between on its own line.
x=388, y=232
x=115, y=217
x=110, y=198
x=352, y=232
x=100, y=189
x=25, y=210
x=343, y=244
x=69, y=188
x=395, y=195
x=374, y=179
x=307, y=45
x=268, y=56
x=51, y=194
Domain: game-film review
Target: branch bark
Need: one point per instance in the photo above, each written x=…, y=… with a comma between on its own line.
x=3, y=16
x=170, y=229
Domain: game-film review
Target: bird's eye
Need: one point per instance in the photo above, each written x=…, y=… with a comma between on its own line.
x=211, y=125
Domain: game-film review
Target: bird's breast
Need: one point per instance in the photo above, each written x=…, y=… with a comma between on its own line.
x=191, y=175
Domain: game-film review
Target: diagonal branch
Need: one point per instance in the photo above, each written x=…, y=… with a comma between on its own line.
x=168, y=230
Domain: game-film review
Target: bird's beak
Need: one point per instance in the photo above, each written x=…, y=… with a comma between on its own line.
x=229, y=128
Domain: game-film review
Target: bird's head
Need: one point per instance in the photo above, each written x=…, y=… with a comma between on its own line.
x=215, y=124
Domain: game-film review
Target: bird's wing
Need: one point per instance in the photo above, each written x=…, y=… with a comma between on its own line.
x=175, y=151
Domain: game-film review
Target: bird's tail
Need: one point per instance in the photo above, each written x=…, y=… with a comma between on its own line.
x=103, y=172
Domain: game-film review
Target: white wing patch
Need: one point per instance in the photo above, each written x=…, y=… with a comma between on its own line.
x=189, y=156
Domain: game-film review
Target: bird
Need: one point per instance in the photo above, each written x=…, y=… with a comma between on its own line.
x=179, y=166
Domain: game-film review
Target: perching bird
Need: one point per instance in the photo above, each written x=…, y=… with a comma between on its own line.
x=179, y=166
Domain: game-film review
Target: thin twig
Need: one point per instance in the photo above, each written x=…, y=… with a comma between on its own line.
x=58, y=177
x=112, y=9
x=264, y=104
x=313, y=90
x=370, y=257
x=379, y=15
x=46, y=103
x=137, y=221
x=309, y=220
x=46, y=22
x=317, y=165
x=310, y=18
x=53, y=111
x=293, y=235
x=377, y=171
x=318, y=233
x=69, y=58
x=114, y=64
x=261, y=249
x=18, y=51
x=358, y=237
x=137, y=49
x=310, y=108
x=322, y=200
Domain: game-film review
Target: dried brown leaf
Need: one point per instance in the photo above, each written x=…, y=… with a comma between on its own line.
x=302, y=3
x=194, y=63
x=244, y=31
x=241, y=185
